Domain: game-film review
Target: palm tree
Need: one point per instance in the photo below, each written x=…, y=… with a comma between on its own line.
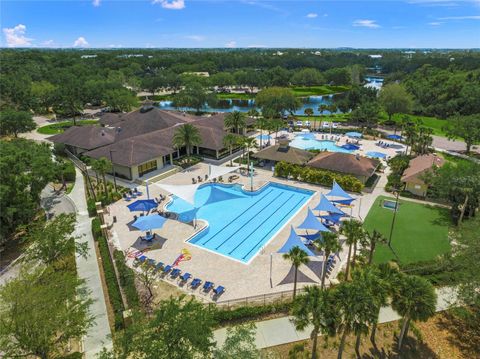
x=249, y=143
x=357, y=310
x=276, y=124
x=414, y=299
x=253, y=112
x=298, y=257
x=309, y=112
x=353, y=230
x=329, y=244
x=371, y=240
x=187, y=136
x=235, y=120
x=261, y=125
x=230, y=140
x=315, y=308
x=102, y=166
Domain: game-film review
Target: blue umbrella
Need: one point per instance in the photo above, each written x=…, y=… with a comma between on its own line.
x=354, y=134
x=147, y=223
x=394, y=137
x=142, y=205
x=376, y=154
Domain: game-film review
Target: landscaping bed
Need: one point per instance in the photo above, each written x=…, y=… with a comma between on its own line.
x=60, y=127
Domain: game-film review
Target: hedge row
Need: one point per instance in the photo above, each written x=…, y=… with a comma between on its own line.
x=440, y=272
x=126, y=277
x=240, y=314
x=317, y=176
x=114, y=294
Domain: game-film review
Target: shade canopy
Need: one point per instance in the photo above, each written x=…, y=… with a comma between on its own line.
x=312, y=222
x=354, y=134
x=142, y=205
x=294, y=241
x=338, y=192
x=333, y=217
x=147, y=223
x=350, y=147
x=217, y=171
x=394, y=137
x=375, y=154
x=344, y=202
x=185, y=192
x=326, y=206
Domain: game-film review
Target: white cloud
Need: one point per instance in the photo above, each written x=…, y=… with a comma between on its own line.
x=468, y=17
x=195, y=37
x=171, y=4
x=96, y=3
x=48, y=43
x=372, y=24
x=15, y=36
x=80, y=42
x=231, y=44
x=435, y=23
x=312, y=15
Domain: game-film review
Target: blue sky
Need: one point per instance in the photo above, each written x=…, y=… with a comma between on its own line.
x=241, y=23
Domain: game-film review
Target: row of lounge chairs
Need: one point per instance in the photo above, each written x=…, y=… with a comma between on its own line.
x=199, y=179
x=383, y=144
x=176, y=273
x=131, y=194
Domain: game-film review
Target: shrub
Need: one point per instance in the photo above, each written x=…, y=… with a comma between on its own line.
x=69, y=172
x=440, y=272
x=114, y=294
x=92, y=209
x=317, y=176
x=126, y=277
x=96, y=230
x=240, y=314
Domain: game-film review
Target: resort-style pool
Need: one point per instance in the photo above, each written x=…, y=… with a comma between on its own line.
x=306, y=143
x=240, y=223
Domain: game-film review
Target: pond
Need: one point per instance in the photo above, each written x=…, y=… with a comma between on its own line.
x=230, y=105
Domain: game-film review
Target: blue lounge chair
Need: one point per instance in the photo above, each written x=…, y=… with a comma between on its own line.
x=167, y=269
x=158, y=267
x=139, y=260
x=151, y=262
x=185, y=276
x=219, y=290
x=175, y=273
x=207, y=286
x=195, y=283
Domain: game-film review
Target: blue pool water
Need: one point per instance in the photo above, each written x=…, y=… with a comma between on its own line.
x=305, y=143
x=240, y=223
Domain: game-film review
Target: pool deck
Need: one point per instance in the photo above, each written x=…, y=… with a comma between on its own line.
x=240, y=280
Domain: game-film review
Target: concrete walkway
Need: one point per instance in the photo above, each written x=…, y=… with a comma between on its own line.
x=99, y=334
x=280, y=331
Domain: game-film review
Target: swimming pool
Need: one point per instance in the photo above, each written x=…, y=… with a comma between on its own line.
x=240, y=223
x=306, y=143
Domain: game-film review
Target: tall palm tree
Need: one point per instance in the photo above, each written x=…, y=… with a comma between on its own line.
x=298, y=257
x=276, y=124
x=371, y=240
x=261, y=125
x=230, y=140
x=315, y=308
x=357, y=310
x=353, y=230
x=309, y=112
x=328, y=244
x=187, y=136
x=102, y=166
x=414, y=299
x=250, y=143
x=253, y=112
x=235, y=120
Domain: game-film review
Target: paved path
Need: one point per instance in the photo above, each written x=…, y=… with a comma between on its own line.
x=99, y=334
x=281, y=330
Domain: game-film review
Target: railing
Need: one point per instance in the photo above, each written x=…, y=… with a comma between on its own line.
x=77, y=161
x=261, y=299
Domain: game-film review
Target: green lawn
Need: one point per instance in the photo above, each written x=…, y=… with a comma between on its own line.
x=235, y=96
x=435, y=124
x=420, y=232
x=338, y=117
x=60, y=127
x=318, y=90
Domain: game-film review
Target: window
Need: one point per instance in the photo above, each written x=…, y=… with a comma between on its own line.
x=147, y=167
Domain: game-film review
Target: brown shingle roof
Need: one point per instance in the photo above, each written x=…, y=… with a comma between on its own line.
x=86, y=137
x=284, y=153
x=345, y=163
x=419, y=166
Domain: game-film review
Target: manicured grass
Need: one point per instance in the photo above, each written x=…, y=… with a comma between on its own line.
x=60, y=127
x=420, y=232
x=235, y=96
x=335, y=118
x=318, y=90
x=435, y=124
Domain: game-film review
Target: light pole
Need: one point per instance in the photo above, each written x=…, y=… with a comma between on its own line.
x=251, y=176
x=113, y=168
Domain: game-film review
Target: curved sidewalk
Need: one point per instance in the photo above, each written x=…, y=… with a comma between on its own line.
x=99, y=335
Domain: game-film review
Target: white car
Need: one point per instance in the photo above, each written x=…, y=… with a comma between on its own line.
x=326, y=124
x=334, y=125
x=299, y=123
x=307, y=123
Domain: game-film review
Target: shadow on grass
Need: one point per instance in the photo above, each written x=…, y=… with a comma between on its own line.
x=443, y=216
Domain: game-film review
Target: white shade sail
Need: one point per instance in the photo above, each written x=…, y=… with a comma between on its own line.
x=217, y=171
x=185, y=192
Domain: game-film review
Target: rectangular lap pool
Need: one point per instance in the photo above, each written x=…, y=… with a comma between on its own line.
x=240, y=223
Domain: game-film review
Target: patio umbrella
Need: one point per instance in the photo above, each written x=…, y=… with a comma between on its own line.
x=354, y=134
x=376, y=154
x=147, y=223
x=394, y=137
x=142, y=205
